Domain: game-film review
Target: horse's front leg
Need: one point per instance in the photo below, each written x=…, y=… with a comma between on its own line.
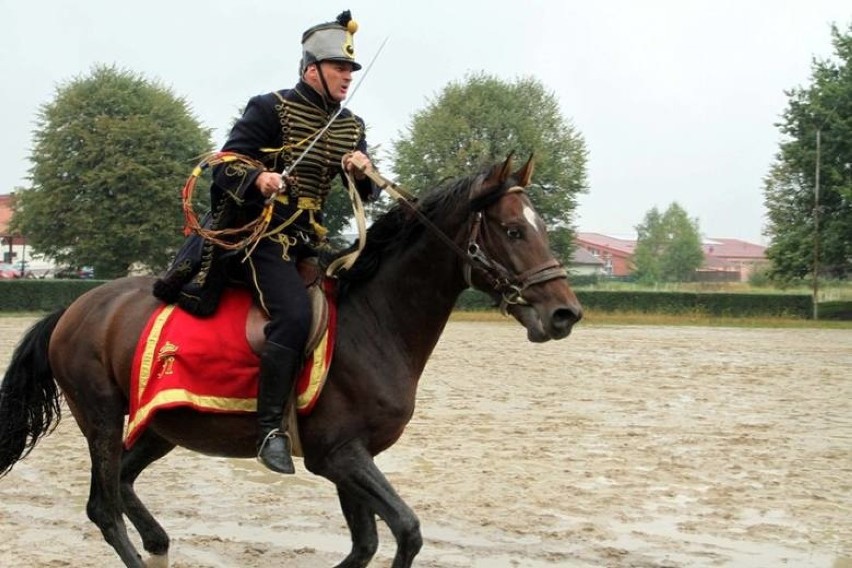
x=365, y=492
x=362, y=526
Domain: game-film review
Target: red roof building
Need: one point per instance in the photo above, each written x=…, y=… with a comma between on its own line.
x=5, y=220
x=733, y=255
x=736, y=258
x=615, y=253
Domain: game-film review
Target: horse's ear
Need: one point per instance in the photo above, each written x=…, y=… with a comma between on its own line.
x=494, y=179
x=506, y=170
x=524, y=175
x=499, y=173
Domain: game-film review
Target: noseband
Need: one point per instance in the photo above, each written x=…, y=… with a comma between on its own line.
x=508, y=284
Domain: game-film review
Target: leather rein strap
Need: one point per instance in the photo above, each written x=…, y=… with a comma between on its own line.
x=510, y=286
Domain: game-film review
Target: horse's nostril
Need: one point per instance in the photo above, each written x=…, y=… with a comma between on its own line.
x=566, y=317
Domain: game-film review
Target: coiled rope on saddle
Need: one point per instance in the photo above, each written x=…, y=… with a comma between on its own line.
x=247, y=236
x=227, y=238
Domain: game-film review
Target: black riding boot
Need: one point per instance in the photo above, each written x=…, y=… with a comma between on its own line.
x=278, y=368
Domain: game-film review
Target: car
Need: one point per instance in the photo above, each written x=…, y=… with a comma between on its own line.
x=72, y=273
x=9, y=271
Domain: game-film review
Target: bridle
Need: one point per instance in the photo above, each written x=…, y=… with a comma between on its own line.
x=507, y=283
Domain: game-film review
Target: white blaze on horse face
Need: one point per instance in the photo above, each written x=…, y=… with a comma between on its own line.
x=531, y=217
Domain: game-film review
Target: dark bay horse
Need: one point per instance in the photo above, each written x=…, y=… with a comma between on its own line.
x=392, y=310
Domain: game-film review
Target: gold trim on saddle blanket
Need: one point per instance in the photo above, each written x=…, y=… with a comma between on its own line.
x=166, y=360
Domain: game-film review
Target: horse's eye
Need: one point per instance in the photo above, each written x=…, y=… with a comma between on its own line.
x=514, y=233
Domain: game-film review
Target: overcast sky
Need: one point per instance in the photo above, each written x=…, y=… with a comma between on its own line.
x=677, y=100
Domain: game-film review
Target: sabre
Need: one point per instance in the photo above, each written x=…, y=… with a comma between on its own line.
x=304, y=153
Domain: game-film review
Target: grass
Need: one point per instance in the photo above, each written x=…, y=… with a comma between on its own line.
x=829, y=291
x=637, y=318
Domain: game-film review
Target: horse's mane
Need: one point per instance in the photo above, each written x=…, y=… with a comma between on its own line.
x=398, y=229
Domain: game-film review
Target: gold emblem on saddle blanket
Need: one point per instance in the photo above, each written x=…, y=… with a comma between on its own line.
x=166, y=356
x=161, y=364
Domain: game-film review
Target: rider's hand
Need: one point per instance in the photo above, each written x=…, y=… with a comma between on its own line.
x=357, y=163
x=268, y=183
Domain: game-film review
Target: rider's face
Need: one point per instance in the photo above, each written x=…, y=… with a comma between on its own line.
x=338, y=77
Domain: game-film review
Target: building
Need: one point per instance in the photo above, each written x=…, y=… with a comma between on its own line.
x=733, y=256
x=9, y=244
x=584, y=263
x=615, y=253
x=13, y=247
x=724, y=259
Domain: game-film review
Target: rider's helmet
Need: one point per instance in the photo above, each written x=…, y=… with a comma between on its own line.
x=331, y=41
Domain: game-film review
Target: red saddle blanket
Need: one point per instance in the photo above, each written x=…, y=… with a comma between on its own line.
x=208, y=364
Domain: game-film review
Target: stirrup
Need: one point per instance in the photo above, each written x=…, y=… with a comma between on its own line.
x=275, y=433
x=285, y=458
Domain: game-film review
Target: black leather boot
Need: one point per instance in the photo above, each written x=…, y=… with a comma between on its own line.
x=278, y=368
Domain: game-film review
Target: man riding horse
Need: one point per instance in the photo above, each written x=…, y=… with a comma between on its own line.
x=303, y=133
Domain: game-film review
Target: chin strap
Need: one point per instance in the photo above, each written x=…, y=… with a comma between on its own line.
x=327, y=94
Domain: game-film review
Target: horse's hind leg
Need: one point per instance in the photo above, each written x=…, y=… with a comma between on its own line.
x=362, y=527
x=148, y=448
x=103, y=427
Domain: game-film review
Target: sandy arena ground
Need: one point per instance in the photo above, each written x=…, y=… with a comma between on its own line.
x=620, y=446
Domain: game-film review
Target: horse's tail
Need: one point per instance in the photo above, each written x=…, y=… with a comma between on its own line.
x=29, y=395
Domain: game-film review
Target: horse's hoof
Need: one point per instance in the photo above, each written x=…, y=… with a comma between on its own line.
x=158, y=561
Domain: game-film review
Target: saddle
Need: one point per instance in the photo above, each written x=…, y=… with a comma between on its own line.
x=212, y=363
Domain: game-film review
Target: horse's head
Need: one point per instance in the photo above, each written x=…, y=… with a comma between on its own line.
x=510, y=256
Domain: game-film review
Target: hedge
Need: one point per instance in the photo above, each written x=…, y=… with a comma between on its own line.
x=687, y=303
x=840, y=310
x=41, y=295
x=48, y=295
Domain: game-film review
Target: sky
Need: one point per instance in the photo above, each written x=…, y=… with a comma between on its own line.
x=677, y=101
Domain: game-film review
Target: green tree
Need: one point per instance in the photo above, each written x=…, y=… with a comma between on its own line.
x=684, y=254
x=110, y=155
x=650, y=247
x=668, y=246
x=820, y=110
x=479, y=121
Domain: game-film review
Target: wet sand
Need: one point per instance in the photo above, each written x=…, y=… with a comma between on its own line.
x=622, y=446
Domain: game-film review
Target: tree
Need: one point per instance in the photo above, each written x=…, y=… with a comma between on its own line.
x=650, y=247
x=668, y=246
x=479, y=121
x=821, y=111
x=110, y=155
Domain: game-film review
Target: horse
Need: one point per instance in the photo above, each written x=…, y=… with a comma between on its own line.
x=479, y=231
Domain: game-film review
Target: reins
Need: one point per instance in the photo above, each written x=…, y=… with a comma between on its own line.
x=404, y=198
x=509, y=285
